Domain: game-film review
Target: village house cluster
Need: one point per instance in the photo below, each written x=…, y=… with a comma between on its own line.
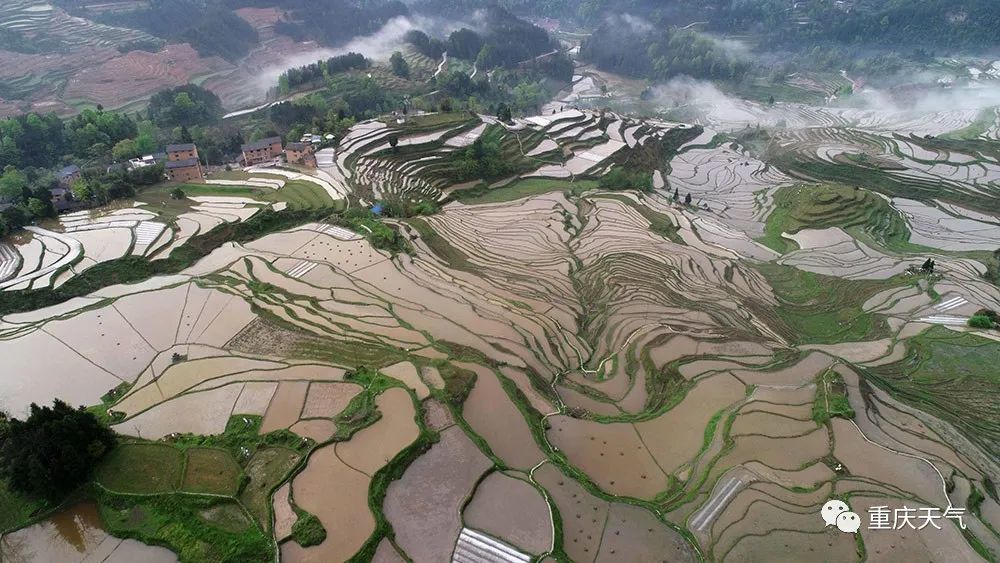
x=182, y=163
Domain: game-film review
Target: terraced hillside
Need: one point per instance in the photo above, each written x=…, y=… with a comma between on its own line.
x=537, y=352
x=59, y=62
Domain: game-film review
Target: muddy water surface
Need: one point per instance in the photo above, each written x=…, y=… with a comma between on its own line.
x=76, y=534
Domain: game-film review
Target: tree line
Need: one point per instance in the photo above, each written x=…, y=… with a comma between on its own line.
x=314, y=73
x=650, y=52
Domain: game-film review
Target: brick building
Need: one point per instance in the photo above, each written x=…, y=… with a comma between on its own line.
x=183, y=164
x=188, y=170
x=300, y=153
x=183, y=151
x=61, y=198
x=68, y=175
x=261, y=151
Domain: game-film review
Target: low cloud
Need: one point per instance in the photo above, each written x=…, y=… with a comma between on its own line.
x=378, y=46
x=631, y=24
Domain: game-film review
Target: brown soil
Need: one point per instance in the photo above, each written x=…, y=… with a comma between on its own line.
x=343, y=509
x=139, y=73
x=327, y=400
x=285, y=407
x=423, y=506
x=512, y=510
x=493, y=416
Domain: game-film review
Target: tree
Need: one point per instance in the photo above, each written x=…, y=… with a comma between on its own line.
x=425, y=45
x=687, y=199
x=12, y=184
x=990, y=314
x=928, y=266
x=504, y=113
x=92, y=190
x=464, y=44
x=53, y=451
x=184, y=105
x=37, y=207
x=981, y=321
x=400, y=67
x=393, y=141
x=81, y=190
x=177, y=193
x=125, y=149
x=677, y=194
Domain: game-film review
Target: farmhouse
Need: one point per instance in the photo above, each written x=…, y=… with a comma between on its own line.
x=188, y=170
x=183, y=151
x=183, y=164
x=300, y=153
x=261, y=151
x=62, y=198
x=68, y=175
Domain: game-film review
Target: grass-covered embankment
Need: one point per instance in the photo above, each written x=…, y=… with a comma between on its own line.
x=856, y=210
x=817, y=309
x=951, y=375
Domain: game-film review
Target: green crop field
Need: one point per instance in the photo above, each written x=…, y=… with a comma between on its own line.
x=267, y=469
x=951, y=375
x=15, y=509
x=831, y=205
x=298, y=194
x=142, y=468
x=522, y=188
x=814, y=308
x=212, y=471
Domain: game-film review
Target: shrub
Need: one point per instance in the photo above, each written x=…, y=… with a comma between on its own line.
x=991, y=315
x=621, y=179
x=980, y=321
x=308, y=530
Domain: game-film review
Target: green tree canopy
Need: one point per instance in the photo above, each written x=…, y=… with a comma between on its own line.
x=185, y=105
x=53, y=451
x=12, y=184
x=400, y=67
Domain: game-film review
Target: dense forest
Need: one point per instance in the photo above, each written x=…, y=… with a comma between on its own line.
x=500, y=40
x=943, y=25
x=893, y=24
x=637, y=48
x=184, y=106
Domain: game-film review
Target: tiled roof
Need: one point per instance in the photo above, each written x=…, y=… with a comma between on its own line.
x=261, y=144
x=186, y=163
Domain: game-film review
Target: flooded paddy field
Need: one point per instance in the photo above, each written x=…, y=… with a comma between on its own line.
x=562, y=368
x=76, y=534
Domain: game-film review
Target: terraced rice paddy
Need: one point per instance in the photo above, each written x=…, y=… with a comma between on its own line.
x=556, y=370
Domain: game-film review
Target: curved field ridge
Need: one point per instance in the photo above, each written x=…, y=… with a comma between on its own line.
x=561, y=367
